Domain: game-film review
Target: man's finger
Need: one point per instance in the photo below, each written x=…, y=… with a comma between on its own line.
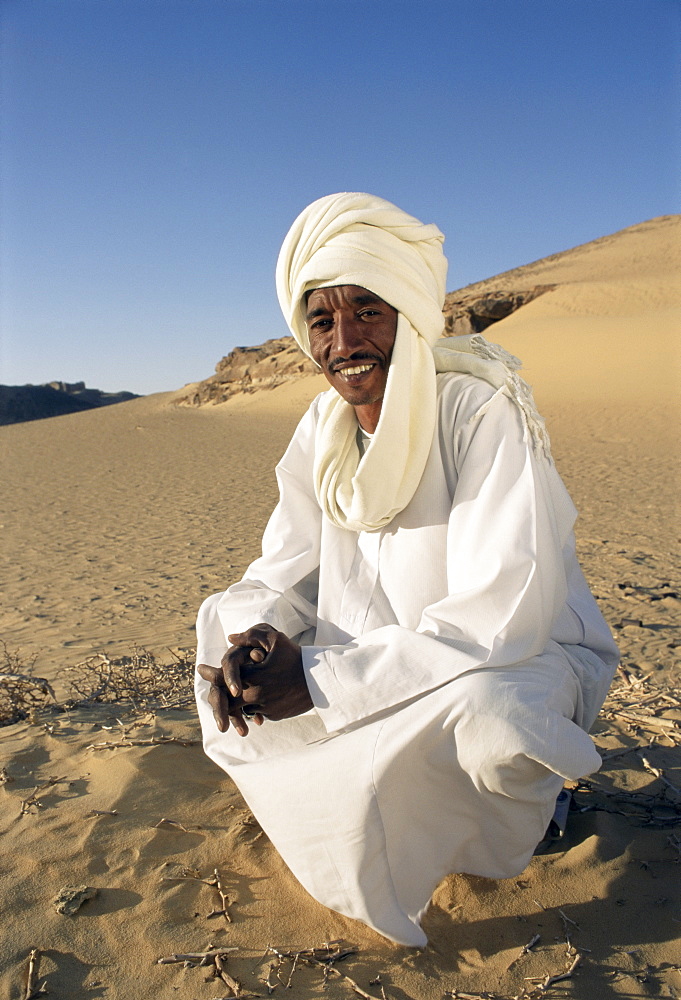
x=238, y=721
x=232, y=663
x=211, y=674
x=217, y=698
x=258, y=635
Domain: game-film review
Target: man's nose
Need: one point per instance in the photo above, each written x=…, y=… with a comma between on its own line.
x=347, y=336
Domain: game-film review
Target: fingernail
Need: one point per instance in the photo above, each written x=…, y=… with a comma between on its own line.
x=234, y=690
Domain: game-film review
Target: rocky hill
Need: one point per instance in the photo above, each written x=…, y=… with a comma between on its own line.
x=19, y=403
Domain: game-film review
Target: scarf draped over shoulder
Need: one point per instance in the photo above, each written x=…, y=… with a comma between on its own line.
x=359, y=239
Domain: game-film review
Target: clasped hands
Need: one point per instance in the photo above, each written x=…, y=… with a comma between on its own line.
x=261, y=676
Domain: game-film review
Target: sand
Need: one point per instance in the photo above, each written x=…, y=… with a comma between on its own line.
x=115, y=524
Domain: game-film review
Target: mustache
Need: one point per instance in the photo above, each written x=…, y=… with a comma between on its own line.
x=356, y=359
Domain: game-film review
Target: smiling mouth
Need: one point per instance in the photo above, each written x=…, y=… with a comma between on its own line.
x=354, y=370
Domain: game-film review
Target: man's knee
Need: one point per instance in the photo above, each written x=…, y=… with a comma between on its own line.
x=495, y=759
x=211, y=644
x=495, y=733
x=208, y=611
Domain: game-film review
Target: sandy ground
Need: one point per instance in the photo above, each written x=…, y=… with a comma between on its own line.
x=115, y=524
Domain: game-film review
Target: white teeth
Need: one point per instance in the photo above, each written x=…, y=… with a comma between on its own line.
x=357, y=370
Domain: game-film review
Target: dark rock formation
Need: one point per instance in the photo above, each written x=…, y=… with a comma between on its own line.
x=473, y=312
x=19, y=403
x=96, y=397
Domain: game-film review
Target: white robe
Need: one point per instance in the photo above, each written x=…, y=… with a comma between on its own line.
x=455, y=659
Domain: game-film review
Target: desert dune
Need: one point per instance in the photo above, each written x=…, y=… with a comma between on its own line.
x=116, y=522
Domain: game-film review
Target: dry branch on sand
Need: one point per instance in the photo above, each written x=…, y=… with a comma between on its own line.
x=152, y=741
x=650, y=713
x=33, y=800
x=645, y=705
x=33, y=989
x=21, y=694
x=215, y=957
x=323, y=958
x=139, y=679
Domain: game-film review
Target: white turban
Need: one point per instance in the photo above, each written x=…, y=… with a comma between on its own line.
x=359, y=239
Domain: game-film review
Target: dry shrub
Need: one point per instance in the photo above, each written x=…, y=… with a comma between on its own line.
x=139, y=679
x=21, y=694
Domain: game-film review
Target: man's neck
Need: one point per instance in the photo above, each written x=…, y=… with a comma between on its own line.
x=367, y=416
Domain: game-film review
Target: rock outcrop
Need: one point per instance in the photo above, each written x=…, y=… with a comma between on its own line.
x=473, y=311
x=248, y=369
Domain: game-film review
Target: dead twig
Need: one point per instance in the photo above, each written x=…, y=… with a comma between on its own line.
x=33, y=800
x=462, y=995
x=193, y=956
x=215, y=957
x=234, y=984
x=567, y=920
x=659, y=773
x=170, y=822
x=570, y=950
x=524, y=950
x=271, y=987
x=458, y=995
x=378, y=982
x=558, y=977
x=224, y=899
x=353, y=985
x=646, y=721
x=612, y=754
x=651, y=808
x=151, y=742
x=32, y=971
x=323, y=958
x=293, y=969
x=188, y=878
x=625, y=675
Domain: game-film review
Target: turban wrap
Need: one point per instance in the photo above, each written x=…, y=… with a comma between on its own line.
x=359, y=239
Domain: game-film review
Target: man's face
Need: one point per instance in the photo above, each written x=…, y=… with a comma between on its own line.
x=352, y=334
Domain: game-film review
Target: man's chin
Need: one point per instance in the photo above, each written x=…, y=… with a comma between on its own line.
x=358, y=398
x=358, y=395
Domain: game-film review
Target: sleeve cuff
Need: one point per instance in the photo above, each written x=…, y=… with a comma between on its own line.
x=323, y=687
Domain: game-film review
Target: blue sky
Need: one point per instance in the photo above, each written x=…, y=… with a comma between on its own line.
x=156, y=151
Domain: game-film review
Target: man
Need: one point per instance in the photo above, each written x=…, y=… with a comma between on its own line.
x=416, y=649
